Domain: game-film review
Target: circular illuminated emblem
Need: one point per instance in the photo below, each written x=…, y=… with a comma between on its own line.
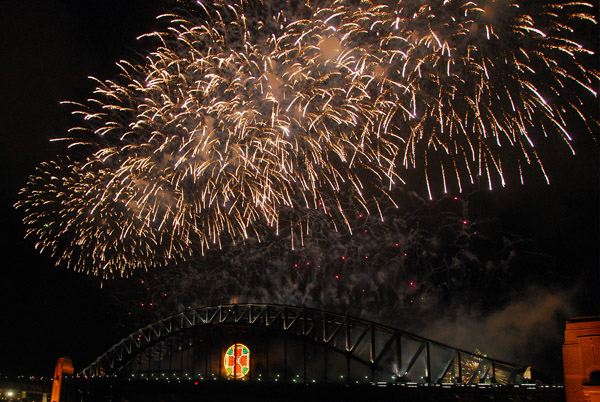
x=237, y=360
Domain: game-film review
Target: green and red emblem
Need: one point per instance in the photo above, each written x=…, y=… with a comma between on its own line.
x=237, y=360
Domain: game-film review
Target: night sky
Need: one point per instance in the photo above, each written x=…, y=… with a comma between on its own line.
x=48, y=49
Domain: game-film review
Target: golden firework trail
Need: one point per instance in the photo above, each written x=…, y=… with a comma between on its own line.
x=245, y=113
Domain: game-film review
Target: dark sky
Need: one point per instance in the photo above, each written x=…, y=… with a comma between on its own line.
x=47, y=51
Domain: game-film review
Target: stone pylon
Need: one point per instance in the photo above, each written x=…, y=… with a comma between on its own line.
x=581, y=359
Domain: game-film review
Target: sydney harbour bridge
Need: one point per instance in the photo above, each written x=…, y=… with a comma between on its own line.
x=271, y=352
x=292, y=344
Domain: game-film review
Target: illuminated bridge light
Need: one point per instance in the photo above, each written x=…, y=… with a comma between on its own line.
x=237, y=360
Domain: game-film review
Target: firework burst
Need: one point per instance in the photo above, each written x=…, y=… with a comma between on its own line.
x=460, y=83
x=246, y=114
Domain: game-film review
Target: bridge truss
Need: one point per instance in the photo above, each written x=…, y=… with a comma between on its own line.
x=292, y=344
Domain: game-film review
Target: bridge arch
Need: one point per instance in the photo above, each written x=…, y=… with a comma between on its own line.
x=292, y=344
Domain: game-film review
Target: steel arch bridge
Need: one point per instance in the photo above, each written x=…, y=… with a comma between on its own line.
x=292, y=344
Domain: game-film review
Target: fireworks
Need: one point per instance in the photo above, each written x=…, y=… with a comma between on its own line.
x=246, y=115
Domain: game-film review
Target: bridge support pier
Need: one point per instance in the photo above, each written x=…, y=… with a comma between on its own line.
x=581, y=359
